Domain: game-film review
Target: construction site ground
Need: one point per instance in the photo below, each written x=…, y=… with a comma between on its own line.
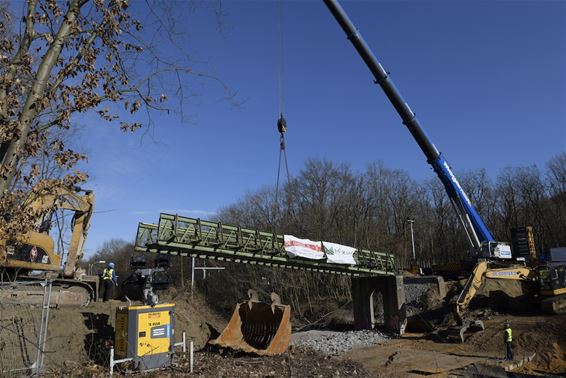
x=79, y=339
x=482, y=353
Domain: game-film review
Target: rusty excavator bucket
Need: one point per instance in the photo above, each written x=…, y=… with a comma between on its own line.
x=458, y=334
x=257, y=327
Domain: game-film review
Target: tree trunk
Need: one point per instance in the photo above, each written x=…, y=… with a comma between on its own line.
x=33, y=101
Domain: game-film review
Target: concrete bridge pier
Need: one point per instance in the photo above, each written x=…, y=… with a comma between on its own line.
x=365, y=293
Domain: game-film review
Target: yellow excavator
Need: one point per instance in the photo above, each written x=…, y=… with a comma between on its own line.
x=32, y=257
x=546, y=283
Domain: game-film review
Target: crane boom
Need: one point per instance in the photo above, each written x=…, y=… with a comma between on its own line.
x=478, y=233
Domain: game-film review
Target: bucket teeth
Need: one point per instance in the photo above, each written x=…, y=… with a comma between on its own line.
x=275, y=299
x=252, y=295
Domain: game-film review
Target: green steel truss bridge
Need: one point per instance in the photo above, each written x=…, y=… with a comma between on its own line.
x=177, y=235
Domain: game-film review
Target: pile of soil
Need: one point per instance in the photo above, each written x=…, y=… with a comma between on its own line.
x=83, y=335
x=504, y=294
x=531, y=333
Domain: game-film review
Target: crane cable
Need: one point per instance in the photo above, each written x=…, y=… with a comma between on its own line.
x=281, y=122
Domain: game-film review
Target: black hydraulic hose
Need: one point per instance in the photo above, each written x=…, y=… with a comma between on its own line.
x=382, y=78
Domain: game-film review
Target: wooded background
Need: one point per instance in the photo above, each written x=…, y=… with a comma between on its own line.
x=369, y=210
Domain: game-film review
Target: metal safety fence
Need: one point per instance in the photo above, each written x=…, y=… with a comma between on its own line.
x=23, y=327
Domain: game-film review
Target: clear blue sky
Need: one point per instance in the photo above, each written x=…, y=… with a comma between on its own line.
x=487, y=80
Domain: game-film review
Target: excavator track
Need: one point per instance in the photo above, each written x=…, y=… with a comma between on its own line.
x=64, y=293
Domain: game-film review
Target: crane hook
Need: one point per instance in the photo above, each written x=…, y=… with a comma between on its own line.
x=281, y=124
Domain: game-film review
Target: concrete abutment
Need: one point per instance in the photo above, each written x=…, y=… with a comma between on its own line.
x=365, y=291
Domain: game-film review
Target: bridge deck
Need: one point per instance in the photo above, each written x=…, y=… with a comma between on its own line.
x=177, y=235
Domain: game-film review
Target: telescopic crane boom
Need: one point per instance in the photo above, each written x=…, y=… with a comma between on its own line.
x=480, y=237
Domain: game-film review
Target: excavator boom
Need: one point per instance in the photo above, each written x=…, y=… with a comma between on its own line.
x=35, y=250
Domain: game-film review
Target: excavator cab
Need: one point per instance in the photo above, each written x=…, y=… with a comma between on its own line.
x=552, y=281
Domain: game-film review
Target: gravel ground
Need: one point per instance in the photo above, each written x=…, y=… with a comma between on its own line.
x=416, y=297
x=333, y=343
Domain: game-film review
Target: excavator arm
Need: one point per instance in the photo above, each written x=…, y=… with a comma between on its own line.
x=472, y=286
x=475, y=281
x=34, y=250
x=80, y=225
x=483, y=271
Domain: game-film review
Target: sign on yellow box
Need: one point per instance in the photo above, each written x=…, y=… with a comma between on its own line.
x=154, y=333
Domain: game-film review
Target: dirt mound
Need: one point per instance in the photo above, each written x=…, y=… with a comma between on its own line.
x=547, y=338
x=512, y=288
x=83, y=335
x=541, y=334
x=505, y=295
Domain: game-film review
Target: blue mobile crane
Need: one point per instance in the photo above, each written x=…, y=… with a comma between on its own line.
x=494, y=258
x=485, y=247
x=483, y=243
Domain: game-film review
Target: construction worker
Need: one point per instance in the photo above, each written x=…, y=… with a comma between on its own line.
x=508, y=339
x=109, y=279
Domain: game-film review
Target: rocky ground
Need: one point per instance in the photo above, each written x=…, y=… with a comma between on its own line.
x=331, y=343
x=419, y=355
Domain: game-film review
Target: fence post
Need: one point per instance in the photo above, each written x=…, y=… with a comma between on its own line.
x=111, y=361
x=42, y=337
x=191, y=354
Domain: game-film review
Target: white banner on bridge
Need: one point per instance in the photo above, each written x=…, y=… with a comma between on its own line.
x=339, y=254
x=306, y=248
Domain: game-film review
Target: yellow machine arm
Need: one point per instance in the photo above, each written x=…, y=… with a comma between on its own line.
x=475, y=281
x=43, y=202
x=470, y=289
x=80, y=225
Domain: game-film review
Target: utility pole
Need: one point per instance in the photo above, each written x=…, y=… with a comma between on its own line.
x=411, y=221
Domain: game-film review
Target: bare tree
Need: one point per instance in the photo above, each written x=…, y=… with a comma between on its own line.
x=73, y=57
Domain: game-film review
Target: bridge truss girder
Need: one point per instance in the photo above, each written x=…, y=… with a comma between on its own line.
x=184, y=236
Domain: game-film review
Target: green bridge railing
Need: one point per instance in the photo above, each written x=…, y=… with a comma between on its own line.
x=178, y=235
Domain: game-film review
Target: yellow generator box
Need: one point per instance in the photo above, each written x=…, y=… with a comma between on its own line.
x=146, y=335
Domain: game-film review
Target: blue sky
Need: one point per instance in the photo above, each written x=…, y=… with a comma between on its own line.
x=487, y=80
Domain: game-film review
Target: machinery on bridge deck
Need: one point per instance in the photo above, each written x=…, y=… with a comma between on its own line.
x=145, y=281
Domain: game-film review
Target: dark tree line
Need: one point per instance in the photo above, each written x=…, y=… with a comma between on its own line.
x=369, y=210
